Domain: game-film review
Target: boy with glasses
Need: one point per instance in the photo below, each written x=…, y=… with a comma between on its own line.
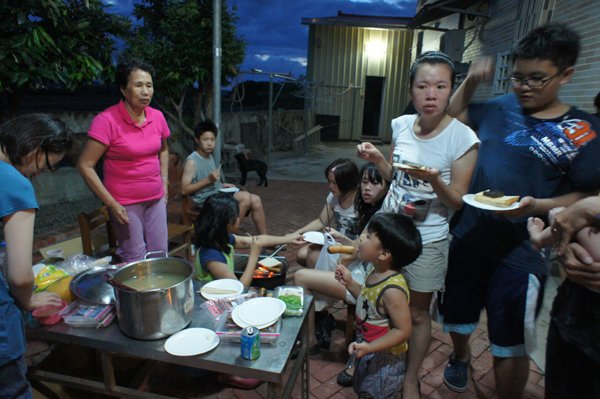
x=534, y=146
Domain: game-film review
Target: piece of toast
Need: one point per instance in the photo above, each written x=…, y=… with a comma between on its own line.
x=496, y=198
x=269, y=262
x=409, y=165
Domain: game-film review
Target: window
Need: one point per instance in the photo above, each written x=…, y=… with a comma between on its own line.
x=501, y=82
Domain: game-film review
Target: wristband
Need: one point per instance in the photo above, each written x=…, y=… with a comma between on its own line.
x=165, y=178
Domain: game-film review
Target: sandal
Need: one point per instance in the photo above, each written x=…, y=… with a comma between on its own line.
x=344, y=379
x=324, y=325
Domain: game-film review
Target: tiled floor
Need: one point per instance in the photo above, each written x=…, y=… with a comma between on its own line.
x=289, y=205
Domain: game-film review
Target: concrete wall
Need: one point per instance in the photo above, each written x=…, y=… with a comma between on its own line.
x=66, y=186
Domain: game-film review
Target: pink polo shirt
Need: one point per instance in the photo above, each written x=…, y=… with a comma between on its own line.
x=131, y=163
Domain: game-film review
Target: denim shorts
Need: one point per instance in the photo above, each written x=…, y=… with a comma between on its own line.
x=13, y=380
x=511, y=298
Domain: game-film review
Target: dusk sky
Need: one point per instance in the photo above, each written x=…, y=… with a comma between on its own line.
x=276, y=40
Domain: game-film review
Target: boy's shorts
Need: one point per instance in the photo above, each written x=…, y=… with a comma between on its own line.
x=512, y=299
x=380, y=375
x=427, y=273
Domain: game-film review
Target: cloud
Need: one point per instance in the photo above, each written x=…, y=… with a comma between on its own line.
x=300, y=60
x=262, y=57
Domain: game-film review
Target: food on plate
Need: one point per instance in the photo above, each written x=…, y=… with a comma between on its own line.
x=409, y=165
x=496, y=198
x=341, y=249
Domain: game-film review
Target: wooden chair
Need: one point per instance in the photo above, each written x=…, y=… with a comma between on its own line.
x=190, y=213
x=180, y=239
x=90, y=242
x=179, y=235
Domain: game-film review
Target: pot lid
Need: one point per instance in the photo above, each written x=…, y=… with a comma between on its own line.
x=91, y=285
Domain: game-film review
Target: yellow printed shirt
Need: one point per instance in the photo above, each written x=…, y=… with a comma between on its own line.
x=370, y=323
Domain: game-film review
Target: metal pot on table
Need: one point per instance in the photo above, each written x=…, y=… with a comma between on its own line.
x=157, y=312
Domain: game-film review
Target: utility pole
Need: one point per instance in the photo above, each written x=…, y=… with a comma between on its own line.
x=217, y=76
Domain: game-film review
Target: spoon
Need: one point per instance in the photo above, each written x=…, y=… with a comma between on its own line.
x=117, y=284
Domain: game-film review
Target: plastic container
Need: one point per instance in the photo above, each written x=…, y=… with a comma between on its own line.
x=228, y=331
x=49, y=314
x=293, y=296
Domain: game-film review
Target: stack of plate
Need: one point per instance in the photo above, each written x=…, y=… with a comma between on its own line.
x=258, y=312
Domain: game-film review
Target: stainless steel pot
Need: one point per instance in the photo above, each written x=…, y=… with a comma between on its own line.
x=155, y=313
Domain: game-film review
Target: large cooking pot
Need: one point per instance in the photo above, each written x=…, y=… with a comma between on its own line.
x=159, y=312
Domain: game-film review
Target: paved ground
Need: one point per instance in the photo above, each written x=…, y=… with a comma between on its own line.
x=289, y=204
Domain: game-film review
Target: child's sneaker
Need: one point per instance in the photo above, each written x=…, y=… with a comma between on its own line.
x=455, y=374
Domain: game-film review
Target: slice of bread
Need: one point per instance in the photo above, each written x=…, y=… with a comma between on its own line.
x=502, y=201
x=269, y=262
x=409, y=165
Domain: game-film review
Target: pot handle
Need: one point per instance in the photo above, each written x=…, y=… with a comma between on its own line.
x=163, y=253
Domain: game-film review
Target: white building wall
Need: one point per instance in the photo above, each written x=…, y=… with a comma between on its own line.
x=339, y=63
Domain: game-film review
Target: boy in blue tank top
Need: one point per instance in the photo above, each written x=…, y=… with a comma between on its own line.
x=534, y=146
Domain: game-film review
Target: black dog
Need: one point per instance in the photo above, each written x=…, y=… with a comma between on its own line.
x=249, y=165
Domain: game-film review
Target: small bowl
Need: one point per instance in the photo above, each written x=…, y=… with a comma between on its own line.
x=49, y=314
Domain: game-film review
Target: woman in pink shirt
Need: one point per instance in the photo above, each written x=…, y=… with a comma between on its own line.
x=132, y=137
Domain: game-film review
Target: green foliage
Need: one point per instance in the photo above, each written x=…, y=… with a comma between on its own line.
x=62, y=41
x=175, y=36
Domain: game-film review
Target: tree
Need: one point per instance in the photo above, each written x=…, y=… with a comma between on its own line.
x=63, y=41
x=175, y=36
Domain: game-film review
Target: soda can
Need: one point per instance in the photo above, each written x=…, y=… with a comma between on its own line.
x=250, y=343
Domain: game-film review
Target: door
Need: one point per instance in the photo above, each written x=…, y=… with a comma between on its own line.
x=372, y=106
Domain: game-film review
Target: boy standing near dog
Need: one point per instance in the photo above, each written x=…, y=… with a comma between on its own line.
x=532, y=145
x=202, y=178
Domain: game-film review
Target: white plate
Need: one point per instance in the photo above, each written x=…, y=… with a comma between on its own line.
x=236, y=319
x=229, y=190
x=222, y=284
x=315, y=237
x=192, y=341
x=470, y=199
x=258, y=312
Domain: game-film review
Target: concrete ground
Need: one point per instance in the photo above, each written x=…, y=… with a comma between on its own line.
x=295, y=195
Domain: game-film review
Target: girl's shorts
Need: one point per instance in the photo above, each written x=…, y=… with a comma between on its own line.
x=428, y=272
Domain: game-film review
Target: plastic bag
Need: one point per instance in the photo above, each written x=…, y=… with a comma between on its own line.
x=79, y=263
x=327, y=261
x=48, y=275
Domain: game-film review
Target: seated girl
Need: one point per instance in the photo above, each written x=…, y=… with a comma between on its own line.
x=323, y=283
x=343, y=178
x=216, y=240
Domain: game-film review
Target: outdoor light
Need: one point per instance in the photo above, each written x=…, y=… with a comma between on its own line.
x=376, y=48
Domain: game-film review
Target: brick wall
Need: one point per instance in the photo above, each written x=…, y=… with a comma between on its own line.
x=582, y=15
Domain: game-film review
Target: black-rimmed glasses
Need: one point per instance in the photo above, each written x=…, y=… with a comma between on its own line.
x=533, y=83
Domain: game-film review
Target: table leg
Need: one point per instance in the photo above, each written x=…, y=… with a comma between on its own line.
x=108, y=371
x=305, y=373
x=273, y=391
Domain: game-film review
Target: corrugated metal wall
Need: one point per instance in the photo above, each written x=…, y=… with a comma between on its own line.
x=338, y=63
